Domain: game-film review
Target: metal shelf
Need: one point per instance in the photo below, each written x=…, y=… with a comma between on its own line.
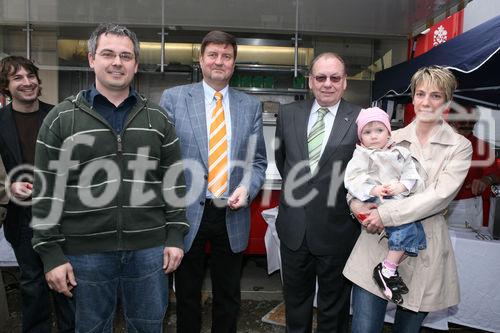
x=273, y=91
x=88, y=69
x=269, y=68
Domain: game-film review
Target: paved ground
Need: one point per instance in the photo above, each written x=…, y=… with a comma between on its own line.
x=260, y=294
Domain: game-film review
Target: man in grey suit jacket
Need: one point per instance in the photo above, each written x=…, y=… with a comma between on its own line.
x=221, y=218
x=315, y=140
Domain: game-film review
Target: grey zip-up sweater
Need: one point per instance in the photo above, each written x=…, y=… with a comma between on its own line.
x=98, y=191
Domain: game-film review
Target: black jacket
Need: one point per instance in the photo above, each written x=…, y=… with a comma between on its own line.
x=324, y=221
x=18, y=217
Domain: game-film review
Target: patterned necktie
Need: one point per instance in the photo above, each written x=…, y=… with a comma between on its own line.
x=217, y=154
x=315, y=139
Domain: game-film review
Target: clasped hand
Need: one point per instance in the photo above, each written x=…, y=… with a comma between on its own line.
x=367, y=214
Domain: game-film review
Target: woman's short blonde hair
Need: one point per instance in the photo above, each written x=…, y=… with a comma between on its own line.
x=437, y=76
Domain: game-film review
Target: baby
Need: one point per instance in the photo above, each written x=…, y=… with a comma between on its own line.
x=381, y=171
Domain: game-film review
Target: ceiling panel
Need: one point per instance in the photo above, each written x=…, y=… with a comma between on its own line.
x=349, y=17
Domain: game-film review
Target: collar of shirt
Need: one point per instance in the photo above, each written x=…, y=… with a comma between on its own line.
x=115, y=116
x=210, y=95
x=92, y=93
x=333, y=109
x=328, y=119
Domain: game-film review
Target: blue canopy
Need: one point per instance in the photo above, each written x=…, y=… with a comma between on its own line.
x=474, y=58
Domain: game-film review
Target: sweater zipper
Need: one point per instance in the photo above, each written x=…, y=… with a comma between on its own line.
x=119, y=155
x=119, y=222
x=119, y=144
x=119, y=151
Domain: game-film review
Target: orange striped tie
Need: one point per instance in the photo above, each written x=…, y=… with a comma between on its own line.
x=217, y=154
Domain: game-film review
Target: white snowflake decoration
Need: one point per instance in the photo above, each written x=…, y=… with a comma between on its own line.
x=440, y=35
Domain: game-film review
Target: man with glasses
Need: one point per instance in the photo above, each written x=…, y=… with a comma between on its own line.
x=103, y=222
x=315, y=140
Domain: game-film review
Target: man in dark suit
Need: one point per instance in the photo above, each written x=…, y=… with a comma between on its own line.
x=222, y=145
x=315, y=140
x=19, y=125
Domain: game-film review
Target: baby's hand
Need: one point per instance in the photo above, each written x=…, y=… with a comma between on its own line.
x=378, y=191
x=395, y=188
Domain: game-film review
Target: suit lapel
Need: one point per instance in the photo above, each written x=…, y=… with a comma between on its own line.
x=197, y=116
x=8, y=132
x=301, y=120
x=343, y=121
x=235, y=108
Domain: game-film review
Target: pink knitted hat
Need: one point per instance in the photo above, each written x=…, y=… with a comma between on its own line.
x=372, y=114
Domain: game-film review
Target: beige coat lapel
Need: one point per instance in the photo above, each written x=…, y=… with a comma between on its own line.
x=430, y=157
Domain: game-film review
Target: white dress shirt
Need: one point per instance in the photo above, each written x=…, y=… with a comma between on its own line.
x=328, y=119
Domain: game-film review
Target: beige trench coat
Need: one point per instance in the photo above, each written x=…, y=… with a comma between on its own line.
x=432, y=276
